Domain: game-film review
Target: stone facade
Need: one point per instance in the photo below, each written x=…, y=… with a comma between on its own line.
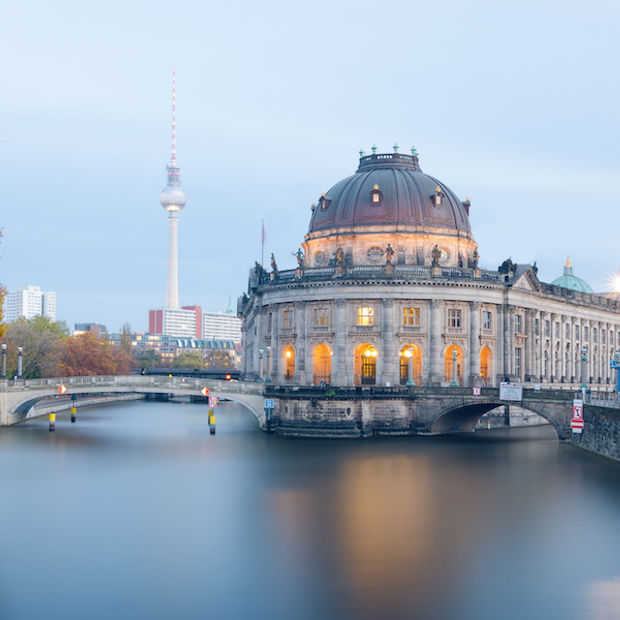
x=515, y=327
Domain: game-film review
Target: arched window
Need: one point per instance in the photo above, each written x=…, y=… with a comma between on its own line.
x=411, y=364
x=365, y=364
x=486, y=365
x=288, y=362
x=449, y=364
x=321, y=364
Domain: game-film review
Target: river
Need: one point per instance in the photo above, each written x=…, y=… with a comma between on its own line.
x=137, y=512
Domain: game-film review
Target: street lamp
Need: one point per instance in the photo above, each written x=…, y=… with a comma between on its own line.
x=261, y=352
x=3, y=360
x=455, y=382
x=584, y=359
x=409, y=355
x=20, y=355
x=268, y=372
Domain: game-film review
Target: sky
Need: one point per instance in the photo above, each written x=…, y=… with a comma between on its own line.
x=514, y=106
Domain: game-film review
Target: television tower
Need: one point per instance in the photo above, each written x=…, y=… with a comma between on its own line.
x=172, y=199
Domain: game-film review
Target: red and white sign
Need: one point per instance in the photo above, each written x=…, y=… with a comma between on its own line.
x=212, y=401
x=577, y=423
x=475, y=390
x=205, y=391
x=62, y=389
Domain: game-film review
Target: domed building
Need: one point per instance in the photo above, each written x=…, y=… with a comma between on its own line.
x=571, y=281
x=388, y=291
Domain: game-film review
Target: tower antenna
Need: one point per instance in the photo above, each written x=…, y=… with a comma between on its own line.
x=173, y=155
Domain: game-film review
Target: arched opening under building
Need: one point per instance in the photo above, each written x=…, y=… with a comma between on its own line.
x=365, y=364
x=321, y=364
x=411, y=360
x=448, y=364
x=486, y=366
x=288, y=362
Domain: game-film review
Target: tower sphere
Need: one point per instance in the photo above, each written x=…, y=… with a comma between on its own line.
x=172, y=198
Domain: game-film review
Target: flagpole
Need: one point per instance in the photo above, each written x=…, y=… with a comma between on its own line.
x=262, y=243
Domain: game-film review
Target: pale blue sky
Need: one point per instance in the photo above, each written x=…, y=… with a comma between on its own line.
x=515, y=107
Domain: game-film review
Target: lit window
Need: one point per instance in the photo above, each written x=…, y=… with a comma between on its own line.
x=365, y=315
x=411, y=317
x=320, y=317
x=486, y=320
x=454, y=318
x=376, y=195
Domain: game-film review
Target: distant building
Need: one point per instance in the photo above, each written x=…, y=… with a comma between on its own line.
x=94, y=328
x=183, y=322
x=215, y=353
x=29, y=302
x=221, y=326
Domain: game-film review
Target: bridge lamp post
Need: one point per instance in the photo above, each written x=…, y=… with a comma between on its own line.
x=455, y=382
x=584, y=359
x=3, y=361
x=261, y=352
x=267, y=364
x=20, y=363
x=409, y=355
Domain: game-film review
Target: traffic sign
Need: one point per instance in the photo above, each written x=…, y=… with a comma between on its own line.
x=62, y=388
x=577, y=423
x=212, y=401
x=204, y=391
x=475, y=390
x=269, y=403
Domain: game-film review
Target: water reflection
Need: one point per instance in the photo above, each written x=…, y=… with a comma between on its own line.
x=140, y=503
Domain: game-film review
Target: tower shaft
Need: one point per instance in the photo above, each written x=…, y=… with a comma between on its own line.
x=172, y=295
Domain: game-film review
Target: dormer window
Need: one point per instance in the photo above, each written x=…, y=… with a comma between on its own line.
x=324, y=201
x=438, y=196
x=376, y=195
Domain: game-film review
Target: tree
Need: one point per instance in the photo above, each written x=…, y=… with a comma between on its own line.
x=41, y=341
x=188, y=359
x=147, y=359
x=87, y=354
x=126, y=337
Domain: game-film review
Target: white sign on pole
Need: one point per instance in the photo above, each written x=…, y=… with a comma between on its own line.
x=577, y=423
x=475, y=390
x=510, y=391
x=269, y=403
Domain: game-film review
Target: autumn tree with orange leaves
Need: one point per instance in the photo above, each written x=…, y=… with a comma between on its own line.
x=88, y=355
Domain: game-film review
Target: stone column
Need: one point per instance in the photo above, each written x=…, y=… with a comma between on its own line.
x=340, y=329
x=436, y=362
x=300, y=344
x=508, y=329
x=276, y=354
x=499, y=343
x=527, y=349
x=388, y=355
x=474, y=341
x=552, y=340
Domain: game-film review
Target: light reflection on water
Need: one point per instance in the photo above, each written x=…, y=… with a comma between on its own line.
x=136, y=512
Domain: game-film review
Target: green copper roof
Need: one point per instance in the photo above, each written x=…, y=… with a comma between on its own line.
x=571, y=281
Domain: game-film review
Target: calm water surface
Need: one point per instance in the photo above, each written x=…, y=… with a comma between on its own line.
x=137, y=512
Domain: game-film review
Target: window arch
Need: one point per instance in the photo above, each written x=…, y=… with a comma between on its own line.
x=288, y=362
x=486, y=365
x=321, y=364
x=411, y=358
x=448, y=364
x=365, y=359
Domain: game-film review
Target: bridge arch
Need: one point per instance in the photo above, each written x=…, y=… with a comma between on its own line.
x=462, y=418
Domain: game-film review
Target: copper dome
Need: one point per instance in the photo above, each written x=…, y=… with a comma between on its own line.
x=390, y=190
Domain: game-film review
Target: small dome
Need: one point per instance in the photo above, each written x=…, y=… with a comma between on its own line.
x=571, y=281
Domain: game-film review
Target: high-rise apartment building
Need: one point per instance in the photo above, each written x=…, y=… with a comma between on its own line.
x=183, y=322
x=29, y=302
x=221, y=326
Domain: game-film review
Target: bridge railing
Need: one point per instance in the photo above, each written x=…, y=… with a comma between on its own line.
x=138, y=381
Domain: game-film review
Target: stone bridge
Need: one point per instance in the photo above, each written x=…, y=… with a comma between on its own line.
x=366, y=411
x=21, y=400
